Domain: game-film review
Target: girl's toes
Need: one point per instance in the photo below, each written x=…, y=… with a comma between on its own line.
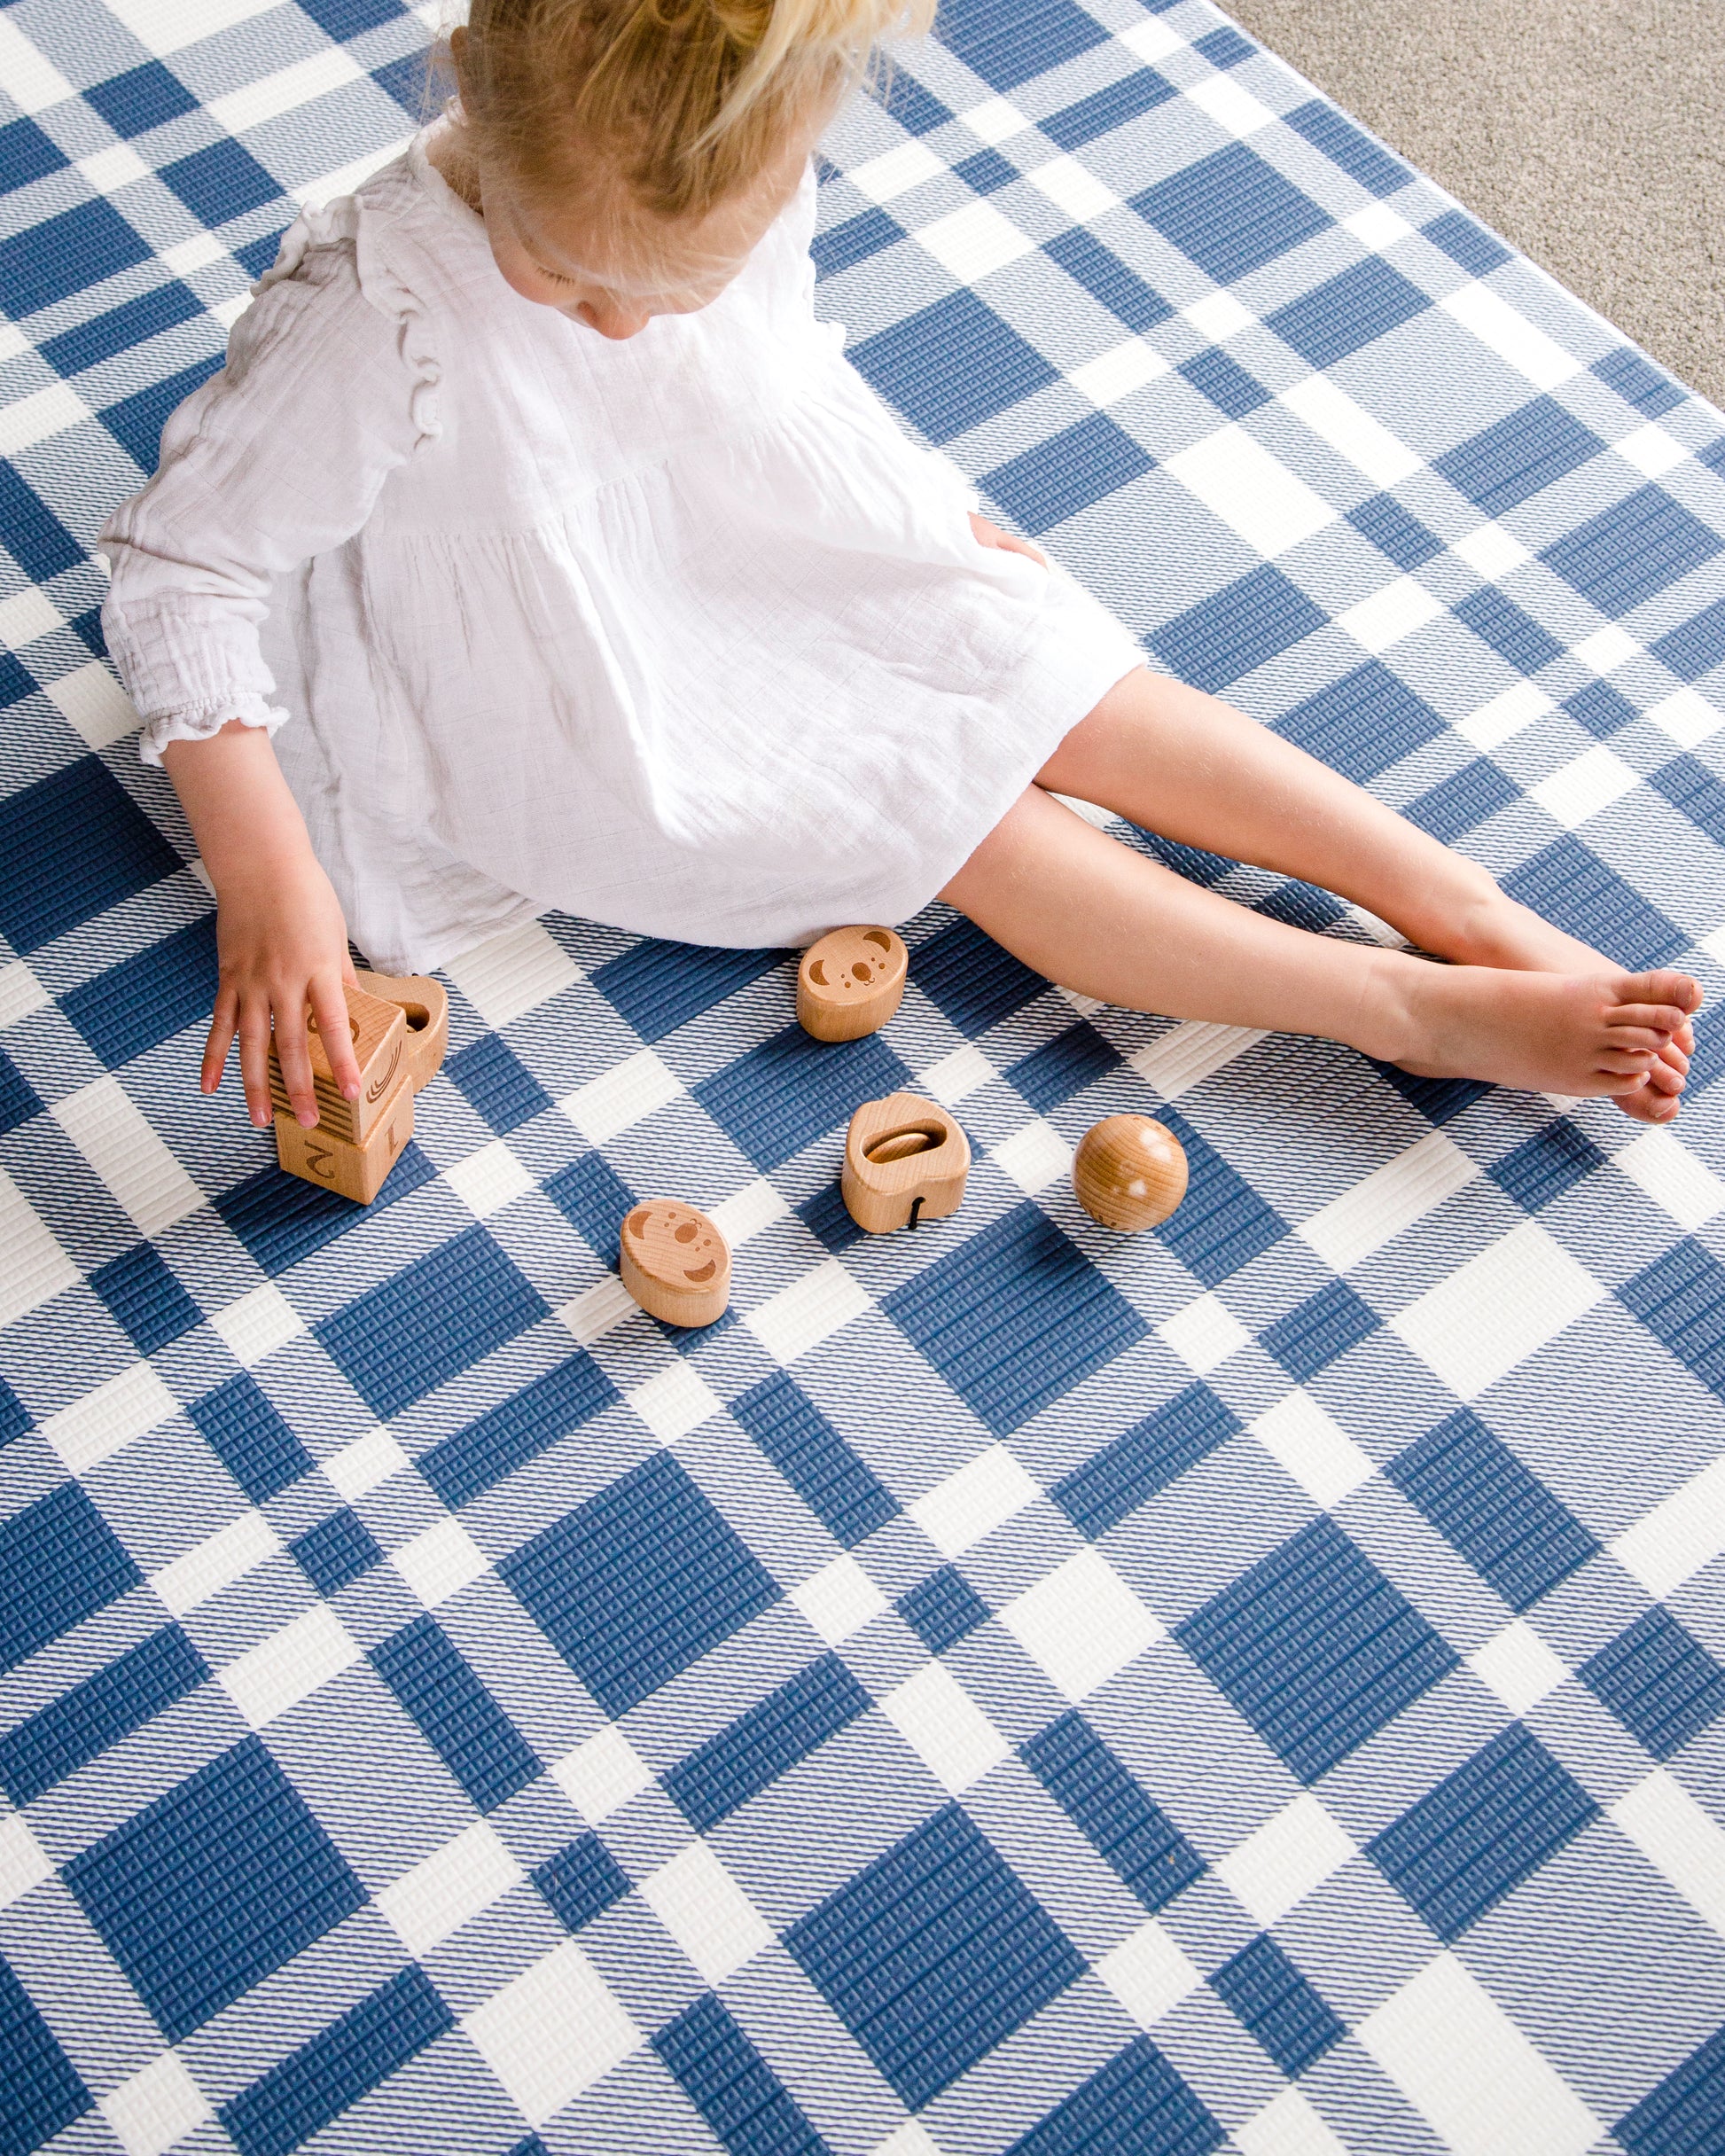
x=1647, y=1104
x=1663, y=1079
x=1667, y=986
x=1663, y=1018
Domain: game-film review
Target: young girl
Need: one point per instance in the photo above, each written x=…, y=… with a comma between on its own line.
x=585, y=573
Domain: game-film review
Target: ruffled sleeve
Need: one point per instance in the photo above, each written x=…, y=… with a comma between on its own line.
x=331, y=384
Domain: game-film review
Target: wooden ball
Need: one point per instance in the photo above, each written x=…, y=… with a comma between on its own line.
x=850, y=982
x=674, y=1262
x=1130, y=1172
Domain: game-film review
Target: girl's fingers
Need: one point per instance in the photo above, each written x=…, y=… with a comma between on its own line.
x=1623, y=1060
x=221, y=1027
x=254, y=1057
x=329, y=1007
x=294, y=1058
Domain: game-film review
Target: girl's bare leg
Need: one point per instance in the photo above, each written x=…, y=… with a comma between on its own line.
x=1195, y=770
x=1101, y=918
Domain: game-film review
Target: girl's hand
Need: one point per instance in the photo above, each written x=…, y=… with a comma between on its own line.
x=282, y=945
x=279, y=934
x=991, y=535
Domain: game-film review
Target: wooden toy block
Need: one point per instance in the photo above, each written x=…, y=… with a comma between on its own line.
x=849, y=983
x=379, y=1033
x=674, y=1262
x=1130, y=1172
x=905, y=1162
x=354, y=1171
x=426, y=1007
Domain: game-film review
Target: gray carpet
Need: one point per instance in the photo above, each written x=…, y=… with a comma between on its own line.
x=1591, y=133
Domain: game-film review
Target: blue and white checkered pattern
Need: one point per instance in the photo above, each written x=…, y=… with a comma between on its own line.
x=1260, y=1686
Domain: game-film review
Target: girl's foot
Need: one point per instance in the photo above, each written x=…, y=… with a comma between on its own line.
x=1586, y=1035
x=1494, y=930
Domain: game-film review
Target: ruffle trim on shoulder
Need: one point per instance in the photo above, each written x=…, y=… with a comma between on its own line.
x=354, y=221
x=203, y=722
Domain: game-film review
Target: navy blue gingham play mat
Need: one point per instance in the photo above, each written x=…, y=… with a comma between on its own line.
x=1260, y=1687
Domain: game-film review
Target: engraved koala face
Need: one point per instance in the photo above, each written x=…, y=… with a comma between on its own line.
x=677, y=1244
x=854, y=963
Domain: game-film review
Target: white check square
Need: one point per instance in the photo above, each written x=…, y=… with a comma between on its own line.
x=450, y=1886
x=810, y=1310
x=1287, y=1858
x=974, y=1500
x=1517, y=1667
x=1034, y=1157
x=436, y=1565
x=1205, y=1334
x=973, y=242
x=1580, y=789
x=600, y=1776
x=1499, y=1308
x=635, y=1088
x=1471, y=2073
x=513, y=973
x=706, y=1912
x=1312, y=1449
x=1661, y=1164
x=839, y=1599
x=1149, y=1974
x=258, y=1324
x=489, y=1180
x=288, y=1666
x=675, y=1402
x=1073, y=188
x=1390, y=614
x=1118, y=373
x=1252, y=492
x=1490, y=551
x=1688, y=716
x=1082, y=1624
x=945, y=1727
x=156, y=2107
x=551, y=2033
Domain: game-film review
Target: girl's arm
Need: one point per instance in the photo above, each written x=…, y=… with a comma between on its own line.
x=281, y=940
x=279, y=457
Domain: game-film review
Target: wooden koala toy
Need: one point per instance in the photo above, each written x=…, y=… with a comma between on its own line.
x=850, y=983
x=674, y=1262
x=400, y=1030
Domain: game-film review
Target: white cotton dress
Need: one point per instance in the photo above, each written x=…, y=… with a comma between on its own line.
x=680, y=633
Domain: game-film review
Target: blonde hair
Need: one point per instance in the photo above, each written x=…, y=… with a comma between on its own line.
x=689, y=101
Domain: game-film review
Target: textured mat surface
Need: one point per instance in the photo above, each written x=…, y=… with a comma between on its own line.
x=1256, y=1687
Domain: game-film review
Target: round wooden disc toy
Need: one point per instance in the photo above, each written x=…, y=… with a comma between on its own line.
x=1129, y=1173
x=849, y=983
x=674, y=1262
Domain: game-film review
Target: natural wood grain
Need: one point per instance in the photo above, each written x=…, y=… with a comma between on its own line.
x=1130, y=1172
x=906, y=1161
x=850, y=982
x=674, y=1262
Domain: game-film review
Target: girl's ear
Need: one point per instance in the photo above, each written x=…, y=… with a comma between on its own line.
x=457, y=51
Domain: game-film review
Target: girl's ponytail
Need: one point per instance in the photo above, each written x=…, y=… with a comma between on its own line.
x=786, y=35
x=690, y=99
